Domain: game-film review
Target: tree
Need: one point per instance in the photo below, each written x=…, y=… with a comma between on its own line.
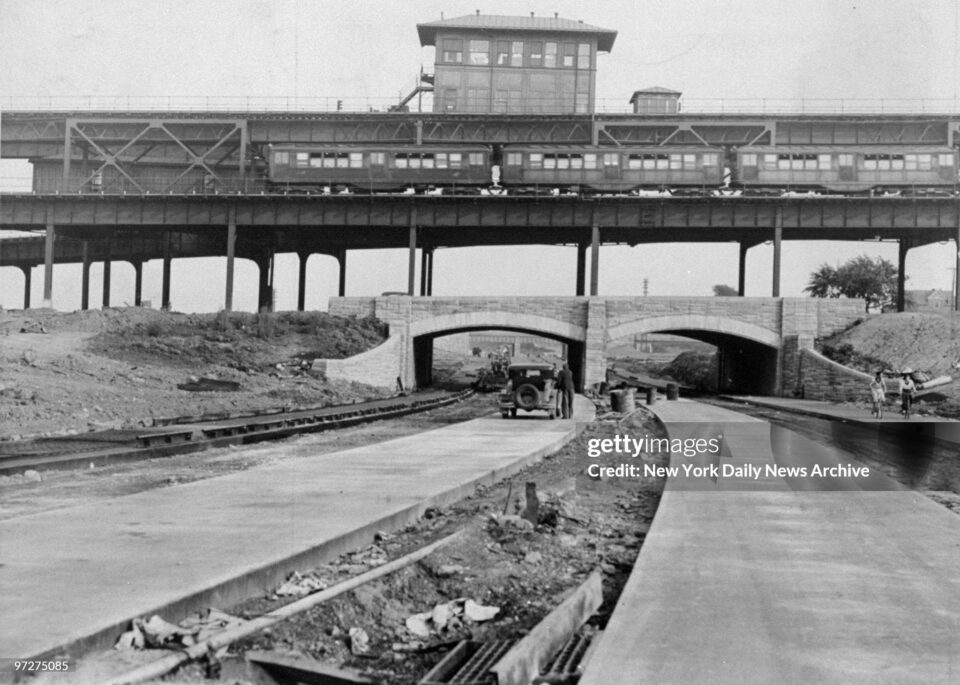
x=874, y=280
x=721, y=290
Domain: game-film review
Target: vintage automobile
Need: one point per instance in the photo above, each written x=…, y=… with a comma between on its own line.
x=529, y=387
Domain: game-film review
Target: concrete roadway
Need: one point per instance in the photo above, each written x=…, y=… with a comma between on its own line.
x=74, y=577
x=775, y=580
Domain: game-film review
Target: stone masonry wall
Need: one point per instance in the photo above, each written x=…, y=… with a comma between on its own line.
x=763, y=312
x=825, y=379
x=379, y=366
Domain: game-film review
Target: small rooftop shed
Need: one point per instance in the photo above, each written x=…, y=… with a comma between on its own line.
x=656, y=100
x=515, y=65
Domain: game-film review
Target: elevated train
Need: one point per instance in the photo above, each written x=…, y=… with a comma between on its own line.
x=552, y=169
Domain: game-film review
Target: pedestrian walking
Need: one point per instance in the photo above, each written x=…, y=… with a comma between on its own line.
x=907, y=388
x=878, y=394
x=565, y=388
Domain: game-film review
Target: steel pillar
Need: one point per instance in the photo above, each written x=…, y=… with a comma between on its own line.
x=777, y=240
x=430, y=273
x=742, y=273
x=956, y=266
x=107, y=264
x=263, y=284
x=85, y=277
x=342, y=261
x=302, y=280
x=48, y=263
x=412, y=263
x=903, y=246
x=137, y=283
x=581, y=269
x=27, y=272
x=165, y=285
x=231, y=258
x=594, y=259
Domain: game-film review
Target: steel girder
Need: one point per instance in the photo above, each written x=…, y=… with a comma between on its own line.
x=120, y=144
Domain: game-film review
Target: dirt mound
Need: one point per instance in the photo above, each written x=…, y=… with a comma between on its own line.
x=73, y=372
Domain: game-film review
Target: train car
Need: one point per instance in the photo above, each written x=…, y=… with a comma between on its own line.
x=839, y=169
x=543, y=168
x=378, y=168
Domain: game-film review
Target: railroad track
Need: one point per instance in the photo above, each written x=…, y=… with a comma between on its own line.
x=181, y=435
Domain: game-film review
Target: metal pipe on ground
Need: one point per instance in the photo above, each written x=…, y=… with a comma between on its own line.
x=166, y=664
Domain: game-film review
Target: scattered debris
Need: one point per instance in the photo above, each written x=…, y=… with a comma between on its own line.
x=443, y=616
x=297, y=585
x=359, y=642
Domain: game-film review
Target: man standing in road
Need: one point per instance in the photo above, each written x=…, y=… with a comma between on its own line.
x=566, y=389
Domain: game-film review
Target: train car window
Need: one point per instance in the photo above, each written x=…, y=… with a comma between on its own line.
x=590, y=161
x=378, y=158
x=569, y=54
x=748, y=159
x=689, y=161
x=536, y=160
x=550, y=55
x=809, y=161
x=356, y=160
x=663, y=161
x=845, y=159
x=896, y=162
x=676, y=161
x=535, y=58
x=303, y=159
x=649, y=162
x=924, y=162
x=455, y=160
x=479, y=52
x=583, y=56
x=440, y=159
x=281, y=158
x=563, y=161
x=452, y=50
x=516, y=53
x=503, y=53
x=824, y=161
x=712, y=159
x=319, y=160
x=343, y=160
x=946, y=160
x=400, y=161
x=576, y=161
x=870, y=162
x=611, y=159
x=514, y=158
x=476, y=159
x=549, y=162
x=910, y=162
x=414, y=161
x=771, y=161
x=783, y=161
x=427, y=161
x=883, y=162
x=796, y=162
x=635, y=162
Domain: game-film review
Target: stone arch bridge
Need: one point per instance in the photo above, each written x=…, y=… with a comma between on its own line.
x=761, y=339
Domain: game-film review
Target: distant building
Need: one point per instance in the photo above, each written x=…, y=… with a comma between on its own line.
x=656, y=100
x=928, y=300
x=515, y=65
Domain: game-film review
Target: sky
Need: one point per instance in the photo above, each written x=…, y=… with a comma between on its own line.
x=310, y=53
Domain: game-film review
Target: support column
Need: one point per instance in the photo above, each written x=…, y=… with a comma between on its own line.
x=956, y=267
x=424, y=257
x=581, y=269
x=165, y=281
x=107, y=263
x=342, y=285
x=263, y=284
x=904, y=245
x=27, y=273
x=48, y=264
x=302, y=281
x=742, y=274
x=412, y=266
x=137, y=283
x=85, y=277
x=594, y=259
x=430, y=272
x=777, y=239
x=231, y=258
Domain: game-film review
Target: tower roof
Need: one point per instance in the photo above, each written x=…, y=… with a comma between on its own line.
x=502, y=24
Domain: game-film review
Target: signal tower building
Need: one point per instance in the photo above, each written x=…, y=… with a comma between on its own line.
x=515, y=65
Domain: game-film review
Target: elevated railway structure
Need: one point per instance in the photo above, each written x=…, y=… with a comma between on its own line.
x=137, y=186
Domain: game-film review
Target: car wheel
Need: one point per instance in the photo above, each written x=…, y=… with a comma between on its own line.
x=527, y=397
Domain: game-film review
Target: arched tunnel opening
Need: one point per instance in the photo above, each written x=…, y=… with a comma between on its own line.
x=712, y=362
x=481, y=346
